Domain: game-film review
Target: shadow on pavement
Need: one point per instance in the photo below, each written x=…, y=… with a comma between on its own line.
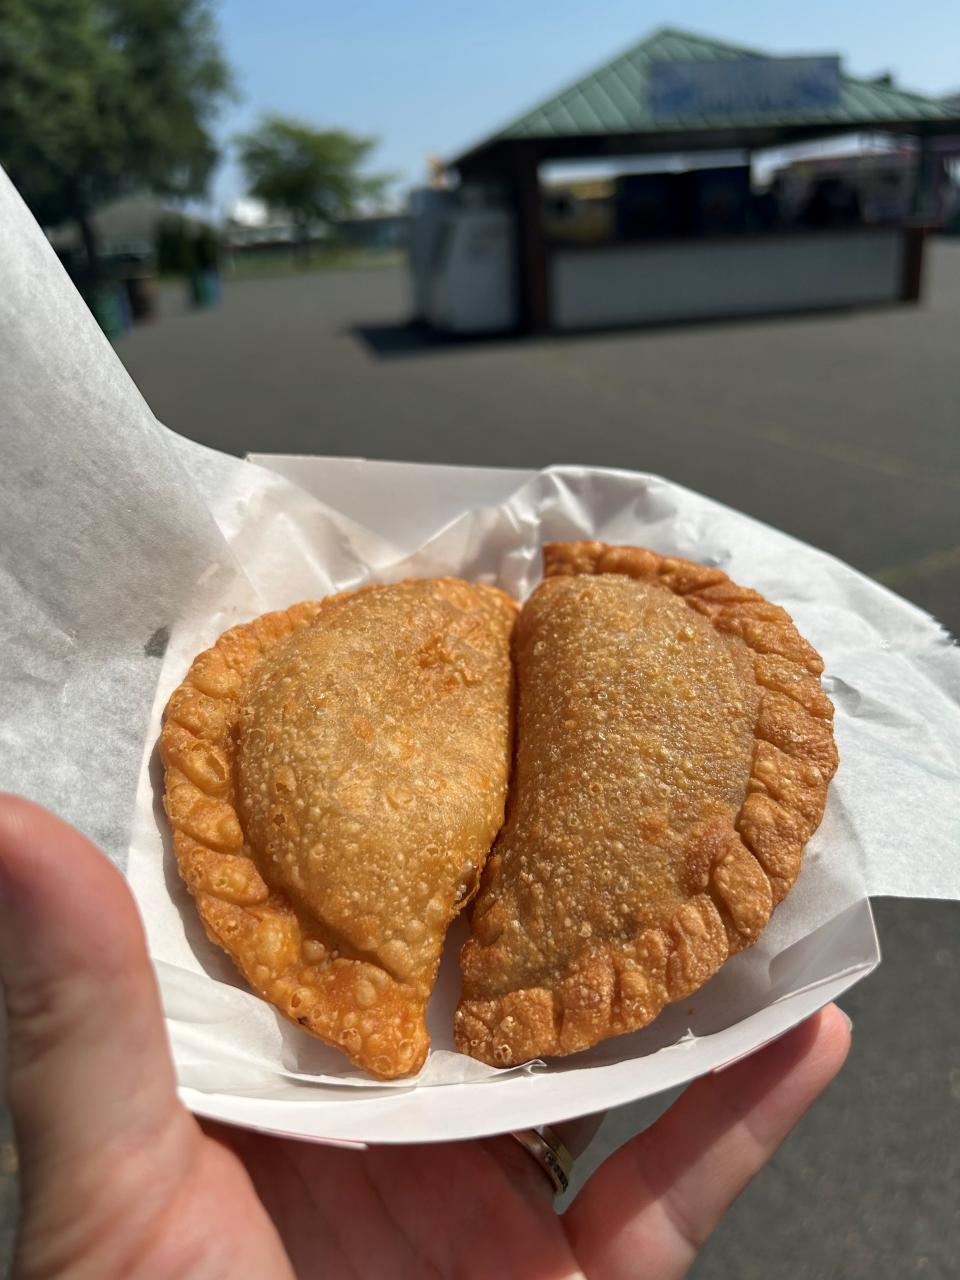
x=413, y=338
x=416, y=337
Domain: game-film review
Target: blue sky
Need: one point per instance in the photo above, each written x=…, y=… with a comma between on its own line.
x=425, y=76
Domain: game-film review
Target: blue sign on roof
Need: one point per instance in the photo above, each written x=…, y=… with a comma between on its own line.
x=721, y=87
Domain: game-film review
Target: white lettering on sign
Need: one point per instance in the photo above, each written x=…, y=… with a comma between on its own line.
x=723, y=87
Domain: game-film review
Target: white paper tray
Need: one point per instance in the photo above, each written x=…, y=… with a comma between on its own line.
x=237, y=1059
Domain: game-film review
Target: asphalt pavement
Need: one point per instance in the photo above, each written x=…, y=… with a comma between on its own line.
x=843, y=430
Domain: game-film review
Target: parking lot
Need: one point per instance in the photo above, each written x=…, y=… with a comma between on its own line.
x=841, y=429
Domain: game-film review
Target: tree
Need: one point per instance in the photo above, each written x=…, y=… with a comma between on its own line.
x=99, y=98
x=311, y=174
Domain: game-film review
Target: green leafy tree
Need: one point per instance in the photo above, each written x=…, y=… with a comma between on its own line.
x=99, y=98
x=313, y=175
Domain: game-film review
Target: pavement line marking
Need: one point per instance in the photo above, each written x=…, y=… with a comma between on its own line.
x=925, y=567
x=889, y=464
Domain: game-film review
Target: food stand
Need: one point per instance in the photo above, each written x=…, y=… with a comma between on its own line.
x=694, y=240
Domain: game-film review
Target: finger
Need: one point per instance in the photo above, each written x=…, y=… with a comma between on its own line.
x=655, y=1201
x=88, y=1061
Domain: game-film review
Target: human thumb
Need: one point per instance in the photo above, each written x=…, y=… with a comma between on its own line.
x=88, y=1068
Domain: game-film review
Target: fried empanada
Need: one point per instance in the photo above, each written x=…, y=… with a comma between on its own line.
x=673, y=755
x=335, y=777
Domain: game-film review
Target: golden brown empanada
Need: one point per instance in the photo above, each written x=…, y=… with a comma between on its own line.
x=335, y=776
x=673, y=756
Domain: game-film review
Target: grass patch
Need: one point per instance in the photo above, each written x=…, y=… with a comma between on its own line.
x=258, y=266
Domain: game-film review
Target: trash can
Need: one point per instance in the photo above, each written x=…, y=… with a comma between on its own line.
x=205, y=277
x=110, y=308
x=205, y=288
x=141, y=296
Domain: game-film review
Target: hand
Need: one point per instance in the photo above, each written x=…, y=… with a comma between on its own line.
x=119, y=1180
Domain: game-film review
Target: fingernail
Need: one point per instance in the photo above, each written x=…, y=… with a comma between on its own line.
x=847, y=1019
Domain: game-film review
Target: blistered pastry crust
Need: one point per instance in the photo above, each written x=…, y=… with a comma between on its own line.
x=241, y=820
x=734, y=868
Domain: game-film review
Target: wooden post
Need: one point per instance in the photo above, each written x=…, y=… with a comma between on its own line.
x=921, y=180
x=911, y=280
x=533, y=294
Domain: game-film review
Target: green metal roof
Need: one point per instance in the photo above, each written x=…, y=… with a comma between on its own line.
x=615, y=99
